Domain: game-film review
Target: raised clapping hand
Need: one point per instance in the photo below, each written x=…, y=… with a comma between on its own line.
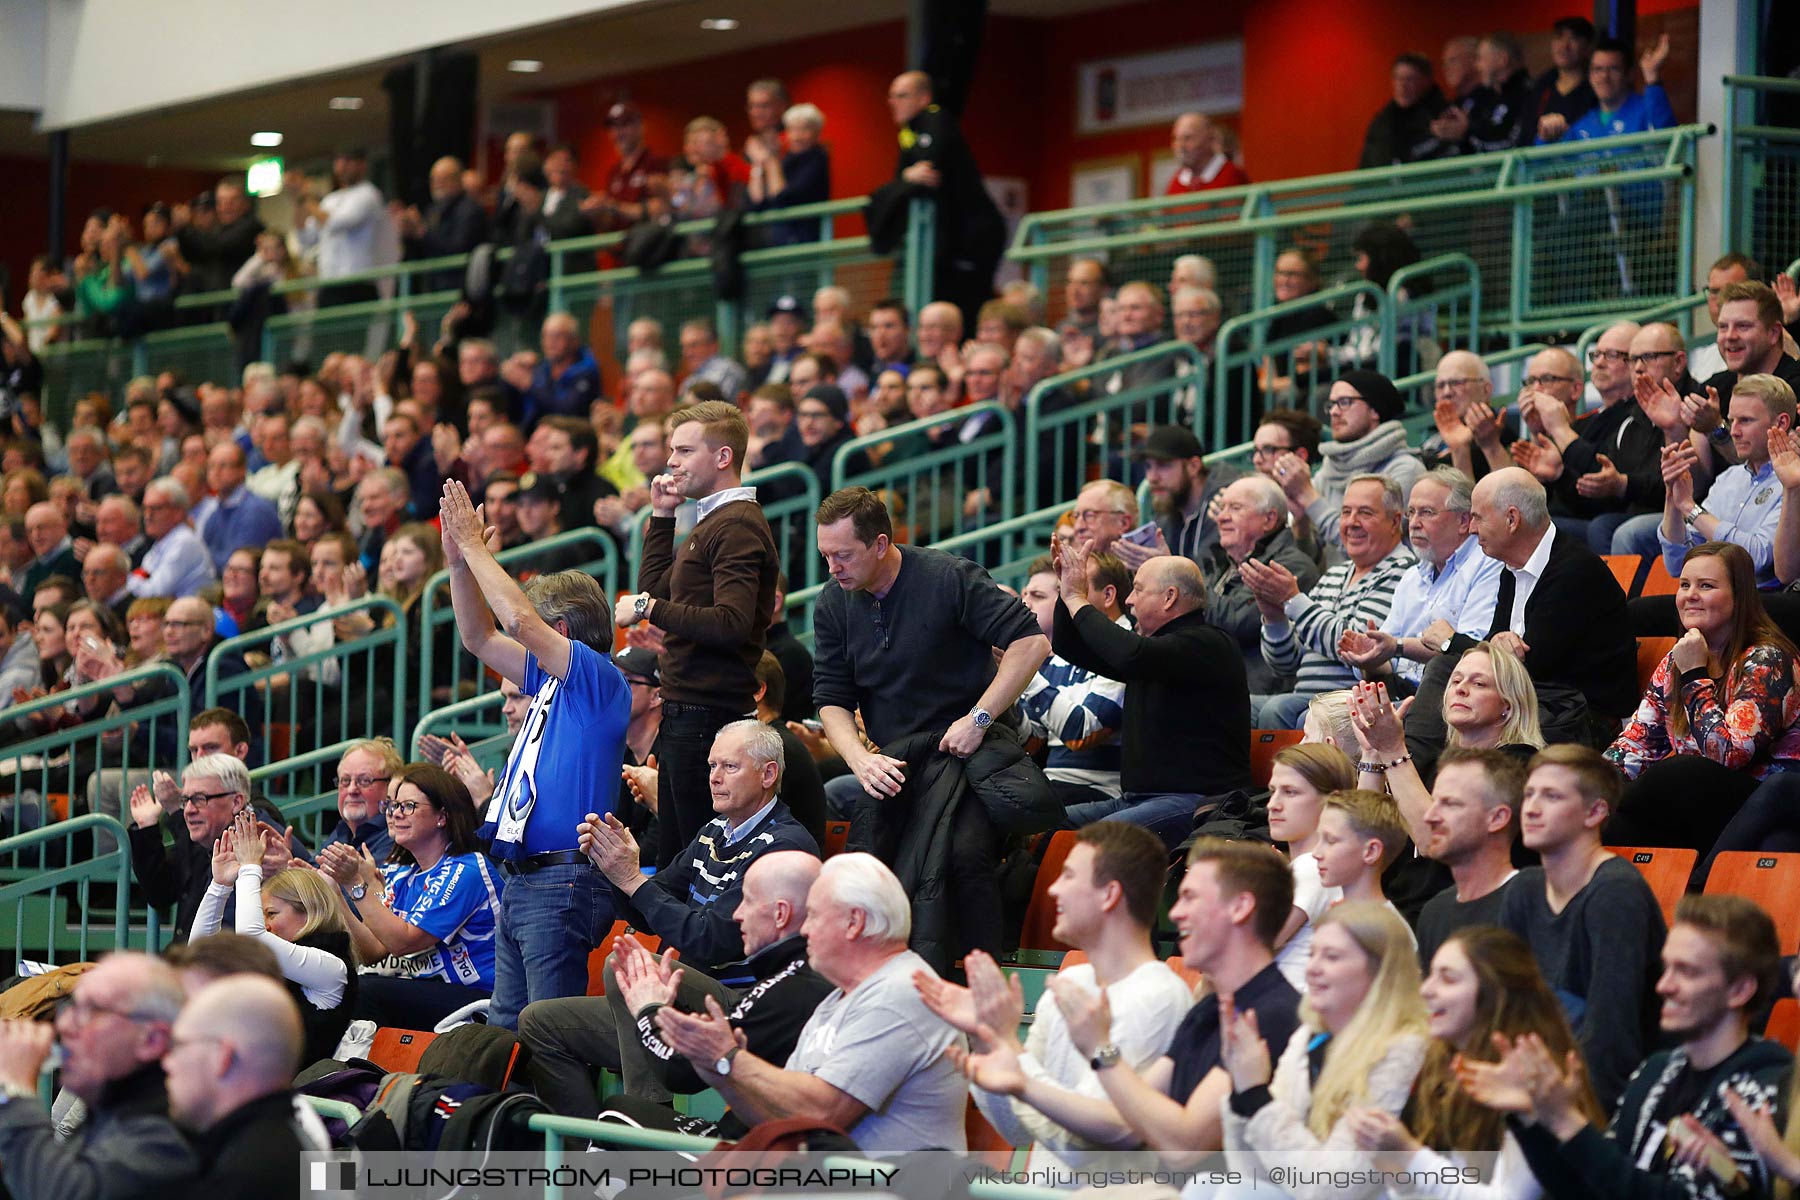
x=1607, y=482
x=1483, y=423
x=1379, y=725
x=609, y=846
x=1448, y=417
x=224, y=860
x=643, y=781
x=1661, y=402
x=1539, y=456
x=246, y=839
x=643, y=978
x=146, y=809
x=1377, y=1129
x=701, y=1038
x=1272, y=584
x=1367, y=649
x=1784, y=456
x=1242, y=1050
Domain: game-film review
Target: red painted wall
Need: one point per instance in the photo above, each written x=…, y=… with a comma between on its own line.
x=1315, y=72
x=26, y=231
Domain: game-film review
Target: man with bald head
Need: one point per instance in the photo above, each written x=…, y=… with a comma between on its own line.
x=1187, y=702
x=566, y=379
x=1252, y=519
x=112, y=1033
x=572, y=1039
x=233, y=516
x=936, y=164
x=229, y=1063
x=1558, y=609
x=1200, y=164
x=1466, y=421
x=453, y=223
x=1603, y=467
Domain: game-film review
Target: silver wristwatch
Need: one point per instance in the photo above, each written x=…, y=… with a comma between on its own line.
x=1105, y=1056
x=983, y=718
x=358, y=891
x=641, y=605
x=723, y=1066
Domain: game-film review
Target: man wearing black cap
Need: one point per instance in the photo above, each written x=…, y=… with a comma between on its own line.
x=538, y=503
x=1564, y=91
x=786, y=319
x=823, y=418
x=346, y=226
x=628, y=185
x=1181, y=490
x=1366, y=439
x=637, y=777
x=216, y=246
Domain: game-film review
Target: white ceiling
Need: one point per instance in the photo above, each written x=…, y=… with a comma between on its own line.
x=214, y=134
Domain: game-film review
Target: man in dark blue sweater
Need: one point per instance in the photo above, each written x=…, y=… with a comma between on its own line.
x=692, y=903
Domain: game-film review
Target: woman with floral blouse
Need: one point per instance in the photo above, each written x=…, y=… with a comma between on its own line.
x=1719, y=715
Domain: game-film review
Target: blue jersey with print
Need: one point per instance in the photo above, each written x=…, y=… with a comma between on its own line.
x=457, y=902
x=565, y=762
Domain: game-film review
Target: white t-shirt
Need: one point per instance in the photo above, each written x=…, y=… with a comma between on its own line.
x=1312, y=898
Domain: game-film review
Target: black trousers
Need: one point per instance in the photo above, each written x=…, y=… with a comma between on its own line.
x=683, y=796
x=1768, y=821
x=1686, y=801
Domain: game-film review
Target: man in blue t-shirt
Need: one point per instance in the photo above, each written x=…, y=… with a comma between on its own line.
x=555, y=644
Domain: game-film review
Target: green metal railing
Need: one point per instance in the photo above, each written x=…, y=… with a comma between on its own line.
x=932, y=490
x=1762, y=167
x=477, y=721
x=1249, y=359
x=1435, y=306
x=1007, y=548
x=1680, y=312
x=44, y=772
x=57, y=916
x=680, y=290
x=1068, y=437
x=301, y=775
x=447, y=672
x=790, y=518
x=1554, y=230
x=329, y=696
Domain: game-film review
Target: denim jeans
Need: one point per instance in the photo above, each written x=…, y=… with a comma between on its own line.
x=549, y=921
x=1638, y=535
x=840, y=796
x=1169, y=815
x=1596, y=531
x=1284, y=711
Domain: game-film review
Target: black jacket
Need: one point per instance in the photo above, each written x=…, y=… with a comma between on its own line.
x=771, y=1011
x=969, y=225
x=1187, y=710
x=1575, y=627
x=1502, y=118
x=1231, y=606
x=1625, y=435
x=911, y=833
x=254, y=1151
x=1403, y=135
x=128, y=1146
x=1594, y=1165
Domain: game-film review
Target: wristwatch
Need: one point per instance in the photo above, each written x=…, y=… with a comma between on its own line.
x=983, y=718
x=1690, y=518
x=1104, y=1056
x=641, y=605
x=358, y=891
x=1445, y=648
x=723, y=1066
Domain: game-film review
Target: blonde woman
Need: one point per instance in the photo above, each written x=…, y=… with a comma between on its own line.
x=295, y=913
x=1361, y=1041
x=1489, y=704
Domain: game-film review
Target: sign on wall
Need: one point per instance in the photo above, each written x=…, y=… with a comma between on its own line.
x=1153, y=89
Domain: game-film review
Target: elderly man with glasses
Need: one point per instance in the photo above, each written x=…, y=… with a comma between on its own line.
x=213, y=788
x=362, y=778
x=113, y=1032
x=1602, y=468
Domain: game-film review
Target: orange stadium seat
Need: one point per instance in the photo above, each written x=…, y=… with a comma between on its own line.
x=837, y=836
x=1665, y=869
x=984, y=1140
x=1659, y=582
x=1772, y=880
x=399, y=1049
x=1624, y=568
x=1040, y=914
x=1784, y=1023
x=597, y=957
x=1265, y=744
x=1650, y=653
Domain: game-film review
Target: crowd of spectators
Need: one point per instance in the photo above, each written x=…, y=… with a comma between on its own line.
x=1416, y=942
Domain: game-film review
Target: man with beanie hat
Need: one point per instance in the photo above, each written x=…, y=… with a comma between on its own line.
x=1366, y=439
x=823, y=418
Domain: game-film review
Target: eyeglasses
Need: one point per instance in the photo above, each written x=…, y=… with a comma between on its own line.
x=1537, y=381
x=1259, y=451
x=1455, y=385
x=1422, y=514
x=181, y=624
x=200, y=799
x=1644, y=359
x=360, y=782
x=75, y=1012
x=1094, y=514
x=399, y=808
x=1598, y=355
x=1339, y=403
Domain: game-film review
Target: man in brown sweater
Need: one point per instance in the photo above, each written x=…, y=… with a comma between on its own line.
x=712, y=599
